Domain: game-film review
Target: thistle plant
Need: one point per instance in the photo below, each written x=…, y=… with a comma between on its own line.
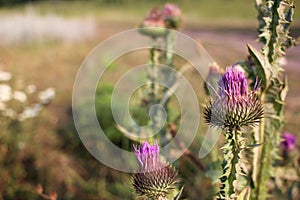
x=232, y=109
x=275, y=17
x=156, y=25
x=155, y=179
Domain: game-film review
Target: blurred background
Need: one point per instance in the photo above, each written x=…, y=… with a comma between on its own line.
x=42, y=45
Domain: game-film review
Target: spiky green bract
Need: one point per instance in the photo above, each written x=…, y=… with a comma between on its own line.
x=155, y=184
x=225, y=113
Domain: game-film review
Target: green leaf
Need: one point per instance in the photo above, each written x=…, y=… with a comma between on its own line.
x=264, y=70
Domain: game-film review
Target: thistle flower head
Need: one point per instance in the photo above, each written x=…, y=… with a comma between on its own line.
x=156, y=180
x=153, y=25
x=171, y=10
x=234, y=106
x=171, y=14
x=288, y=142
x=147, y=155
x=154, y=19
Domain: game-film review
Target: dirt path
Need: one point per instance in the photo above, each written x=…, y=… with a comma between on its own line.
x=236, y=40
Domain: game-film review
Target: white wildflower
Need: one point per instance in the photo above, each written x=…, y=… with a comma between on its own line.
x=5, y=76
x=19, y=96
x=30, y=112
x=10, y=113
x=2, y=106
x=5, y=92
x=31, y=89
x=47, y=95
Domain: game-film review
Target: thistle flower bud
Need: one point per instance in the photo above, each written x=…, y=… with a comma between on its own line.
x=212, y=79
x=155, y=180
x=234, y=106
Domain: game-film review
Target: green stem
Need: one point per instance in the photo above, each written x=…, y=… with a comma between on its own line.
x=169, y=77
x=152, y=74
x=232, y=175
x=169, y=39
x=258, y=152
x=154, y=90
x=231, y=151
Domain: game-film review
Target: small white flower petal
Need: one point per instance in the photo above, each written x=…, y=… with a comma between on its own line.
x=19, y=96
x=31, y=89
x=5, y=76
x=47, y=95
x=5, y=92
x=30, y=112
x=2, y=106
x=10, y=113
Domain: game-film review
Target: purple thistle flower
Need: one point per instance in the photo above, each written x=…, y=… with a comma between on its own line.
x=156, y=180
x=288, y=142
x=233, y=84
x=154, y=19
x=171, y=10
x=234, y=106
x=154, y=24
x=147, y=155
x=171, y=15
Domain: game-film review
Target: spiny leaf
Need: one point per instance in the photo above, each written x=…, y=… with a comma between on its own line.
x=263, y=67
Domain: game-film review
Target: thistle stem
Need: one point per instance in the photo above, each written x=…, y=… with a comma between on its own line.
x=231, y=151
x=152, y=76
x=169, y=38
x=258, y=153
